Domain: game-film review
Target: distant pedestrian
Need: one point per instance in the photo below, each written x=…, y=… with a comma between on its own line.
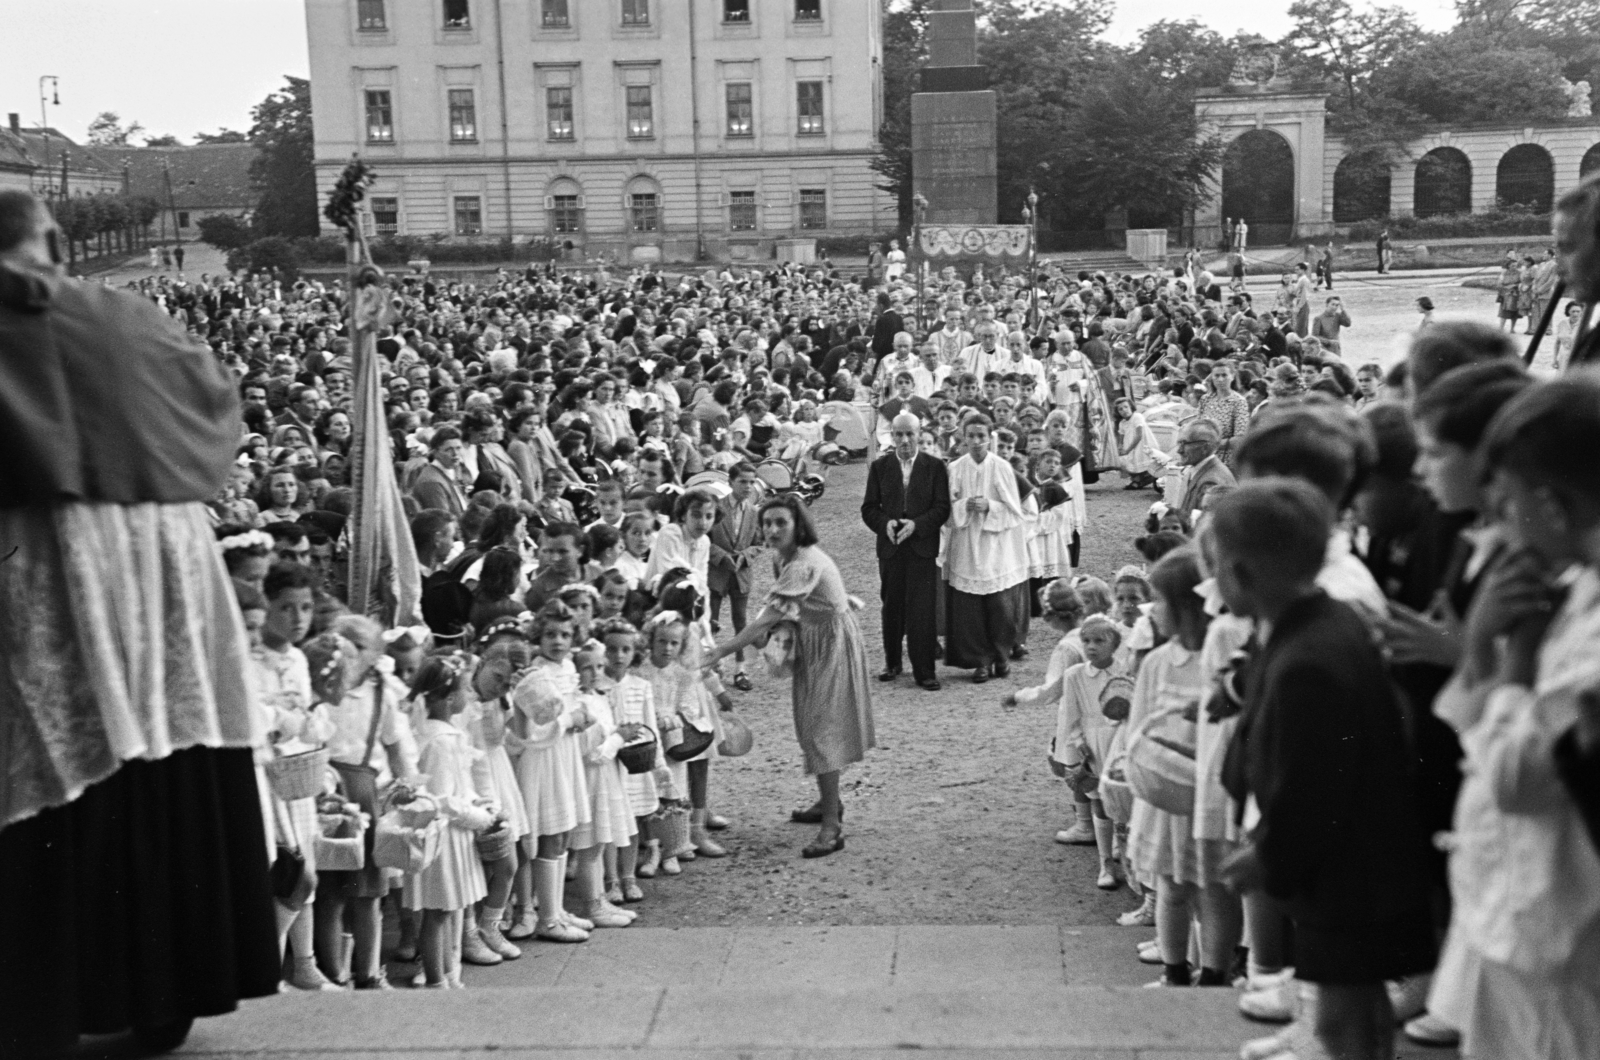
x=1324, y=266
x=177, y=256
x=155, y=258
x=1425, y=307
x=166, y=258
x=1383, y=252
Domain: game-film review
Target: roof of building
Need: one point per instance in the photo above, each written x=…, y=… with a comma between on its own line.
x=46, y=146
x=14, y=153
x=205, y=176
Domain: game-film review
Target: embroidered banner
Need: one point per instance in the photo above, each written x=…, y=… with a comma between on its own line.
x=975, y=241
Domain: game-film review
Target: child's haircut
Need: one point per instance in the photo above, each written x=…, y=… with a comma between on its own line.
x=1280, y=524
x=565, y=529
x=1176, y=576
x=691, y=499
x=284, y=576
x=517, y=653
x=1394, y=440
x=331, y=661
x=1316, y=441
x=608, y=485
x=677, y=593
x=1101, y=624
x=633, y=519
x=1548, y=435
x=616, y=626
x=1153, y=546
x=438, y=676
x=1059, y=600
x=1095, y=594
x=600, y=537
x=1132, y=575
x=609, y=577
x=553, y=613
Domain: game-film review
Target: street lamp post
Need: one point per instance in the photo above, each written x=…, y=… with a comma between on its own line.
x=44, y=124
x=1030, y=215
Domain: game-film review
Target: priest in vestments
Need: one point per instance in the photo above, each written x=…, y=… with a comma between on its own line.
x=986, y=560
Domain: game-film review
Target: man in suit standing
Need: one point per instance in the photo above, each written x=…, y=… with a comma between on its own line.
x=735, y=540
x=1203, y=470
x=907, y=501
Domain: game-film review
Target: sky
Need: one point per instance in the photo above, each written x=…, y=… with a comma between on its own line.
x=187, y=66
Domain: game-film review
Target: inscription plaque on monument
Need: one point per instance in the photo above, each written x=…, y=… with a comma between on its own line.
x=953, y=123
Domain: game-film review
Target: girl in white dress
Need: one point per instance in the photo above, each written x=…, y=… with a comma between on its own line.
x=1161, y=844
x=1136, y=443
x=458, y=780
x=675, y=691
x=611, y=820
x=632, y=703
x=550, y=770
x=1084, y=733
x=486, y=721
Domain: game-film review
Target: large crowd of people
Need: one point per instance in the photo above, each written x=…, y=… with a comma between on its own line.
x=1340, y=734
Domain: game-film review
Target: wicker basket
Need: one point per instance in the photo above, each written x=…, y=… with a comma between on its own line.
x=298, y=776
x=496, y=844
x=639, y=757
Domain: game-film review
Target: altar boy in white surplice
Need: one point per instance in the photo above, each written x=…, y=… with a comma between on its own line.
x=985, y=561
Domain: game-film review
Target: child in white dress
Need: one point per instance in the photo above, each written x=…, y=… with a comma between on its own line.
x=550, y=770
x=458, y=780
x=1084, y=731
x=1062, y=610
x=611, y=820
x=632, y=703
x=486, y=721
x=1141, y=457
x=676, y=692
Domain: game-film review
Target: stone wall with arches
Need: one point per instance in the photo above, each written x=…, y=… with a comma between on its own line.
x=1466, y=169
x=1447, y=170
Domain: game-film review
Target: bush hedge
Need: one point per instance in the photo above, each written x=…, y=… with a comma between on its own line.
x=1500, y=221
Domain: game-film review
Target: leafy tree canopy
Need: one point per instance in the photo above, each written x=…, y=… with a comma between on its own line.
x=222, y=136
x=282, y=170
x=107, y=130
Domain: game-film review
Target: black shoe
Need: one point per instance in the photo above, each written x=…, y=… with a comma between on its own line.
x=980, y=675
x=931, y=684
x=741, y=681
x=1002, y=668
x=1019, y=652
x=821, y=848
x=890, y=673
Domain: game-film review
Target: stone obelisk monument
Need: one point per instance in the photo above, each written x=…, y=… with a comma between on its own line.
x=953, y=122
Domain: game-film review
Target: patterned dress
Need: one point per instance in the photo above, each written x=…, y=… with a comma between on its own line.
x=832, y=697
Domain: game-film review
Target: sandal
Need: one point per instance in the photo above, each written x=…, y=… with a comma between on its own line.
x=821, y=848
x=741, y=681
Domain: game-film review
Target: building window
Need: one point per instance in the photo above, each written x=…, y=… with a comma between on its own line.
x=641, y=113
x=469, y=215
x=456, y=15
x=380, y=117
x=370, y=14
x=463, y=116
x=644, y=211
x=566, y=216
x=635, y=12
x=740, y=110
x=742, y=211
x=385, y=215
x=808, y=10
x=558, y=110
x=554, y=14
x=183, y=218
x=809, y=95
x=736, y=10
x=813, y=208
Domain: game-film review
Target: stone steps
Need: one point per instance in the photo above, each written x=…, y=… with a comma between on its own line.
x=784, y=993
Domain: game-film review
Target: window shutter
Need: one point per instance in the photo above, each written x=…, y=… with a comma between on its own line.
x=583, y=202
x=727, y=199
x=549, y=202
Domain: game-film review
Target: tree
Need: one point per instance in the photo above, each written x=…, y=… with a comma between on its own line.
x=167, y=140
x=282, y=171
x=222, y=136
x=1463, y=78
x=1134, y=142
x=1332, y=39
x=107, y=130
x=1189, y=55
x=274, y=253
x=904, y=49
x=224, y=231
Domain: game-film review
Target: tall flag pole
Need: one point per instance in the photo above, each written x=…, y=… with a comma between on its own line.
x=385, y=578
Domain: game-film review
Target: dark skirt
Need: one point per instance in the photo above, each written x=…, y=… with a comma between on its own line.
x=1365, y=954
x=143, y=903
x=982, y=630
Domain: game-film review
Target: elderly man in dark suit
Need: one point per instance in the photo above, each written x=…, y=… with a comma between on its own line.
x=907, y=501
x=1203, y=470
